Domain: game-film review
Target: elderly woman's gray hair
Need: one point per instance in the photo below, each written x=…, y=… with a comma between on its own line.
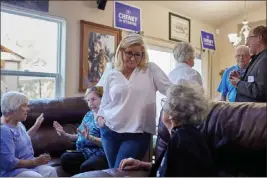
x=183, y=51
x=186, y=103
x=11, y=102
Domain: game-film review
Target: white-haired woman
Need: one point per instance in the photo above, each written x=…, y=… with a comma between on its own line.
x=89, y=154
x=16, y=155
x=187, y=153
x=128, y=107
x=184, y=54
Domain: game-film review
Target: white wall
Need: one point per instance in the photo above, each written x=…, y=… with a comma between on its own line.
x=154, y=22
x=225, y=50
x=226, y=53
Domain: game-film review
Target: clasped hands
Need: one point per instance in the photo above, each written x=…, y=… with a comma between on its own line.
x=234, y=77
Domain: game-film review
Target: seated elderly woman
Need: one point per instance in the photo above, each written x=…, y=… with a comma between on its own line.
x=187, y=153
x=16, y=155
x=89, y=154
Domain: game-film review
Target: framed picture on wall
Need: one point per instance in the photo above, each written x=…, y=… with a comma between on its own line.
x=98, y=45
x=179, y=28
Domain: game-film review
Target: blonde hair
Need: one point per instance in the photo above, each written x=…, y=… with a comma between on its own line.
x=97, y=89
x=130, y=40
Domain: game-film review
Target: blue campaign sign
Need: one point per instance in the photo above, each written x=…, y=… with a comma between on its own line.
x=207, y=40
x=127, y=17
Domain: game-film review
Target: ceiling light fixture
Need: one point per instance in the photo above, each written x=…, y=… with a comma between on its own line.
x=234, y=38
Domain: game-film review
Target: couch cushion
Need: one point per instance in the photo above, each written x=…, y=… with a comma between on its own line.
x=69, y=112
x=46, y=140
x=63, y=110
x=241, y=123
x=237, y=136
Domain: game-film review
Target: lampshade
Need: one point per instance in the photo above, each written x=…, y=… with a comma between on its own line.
x=235, y=39
x=232, y=37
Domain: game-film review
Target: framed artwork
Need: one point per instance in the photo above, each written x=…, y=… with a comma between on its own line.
x=179, y=28
x=98, y=45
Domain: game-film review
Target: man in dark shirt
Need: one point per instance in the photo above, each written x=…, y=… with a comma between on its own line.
x=252, y=86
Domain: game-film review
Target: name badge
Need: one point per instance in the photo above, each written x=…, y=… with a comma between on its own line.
x=250, y=79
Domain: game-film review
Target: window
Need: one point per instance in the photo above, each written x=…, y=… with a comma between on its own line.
x=163, y=57
x=32, y=54
x=198, y=66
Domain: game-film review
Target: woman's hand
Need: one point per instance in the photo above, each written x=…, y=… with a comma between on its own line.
x=32, y=131
x=59, y=129
x=130, y=164
x=101, y=121
x=39, y=120
x=85, y=132
x=42, y=159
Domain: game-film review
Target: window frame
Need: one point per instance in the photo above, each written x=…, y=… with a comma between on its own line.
x=173, y=62
x=172, y=65
x=162, y=49
x=59, y=75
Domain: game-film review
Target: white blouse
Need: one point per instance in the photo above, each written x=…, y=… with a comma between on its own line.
x=184, y=71
x=130, y=105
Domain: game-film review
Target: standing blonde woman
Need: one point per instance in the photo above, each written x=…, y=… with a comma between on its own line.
x=128, y=107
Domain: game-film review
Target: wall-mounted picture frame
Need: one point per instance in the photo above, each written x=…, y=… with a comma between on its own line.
x=179, y=28
x=98, y=44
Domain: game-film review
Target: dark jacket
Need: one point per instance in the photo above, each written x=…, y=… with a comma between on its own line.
x=252, y=87
x=187, y=155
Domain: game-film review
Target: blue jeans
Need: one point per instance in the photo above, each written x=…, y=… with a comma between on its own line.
x=118, y=146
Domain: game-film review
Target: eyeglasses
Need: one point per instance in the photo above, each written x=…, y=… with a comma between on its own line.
x=241, y=56
x=136, y=55
x=252, y=36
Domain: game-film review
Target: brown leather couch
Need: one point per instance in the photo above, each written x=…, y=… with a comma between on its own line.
x=236, y=134
x=69, y=112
